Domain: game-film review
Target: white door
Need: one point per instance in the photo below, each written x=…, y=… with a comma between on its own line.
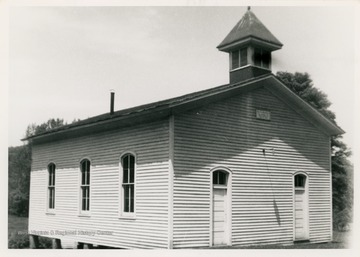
x=219, y=216
x=300, y=215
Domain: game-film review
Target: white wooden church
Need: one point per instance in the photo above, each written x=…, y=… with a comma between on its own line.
x=244, y=163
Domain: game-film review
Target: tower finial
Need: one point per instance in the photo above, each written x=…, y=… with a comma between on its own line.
x=249, y=8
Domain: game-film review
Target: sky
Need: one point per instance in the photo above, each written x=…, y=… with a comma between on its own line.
x=63, y=61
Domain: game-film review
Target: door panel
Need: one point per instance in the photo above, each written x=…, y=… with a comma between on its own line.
x=300, y=215
x=219, y=216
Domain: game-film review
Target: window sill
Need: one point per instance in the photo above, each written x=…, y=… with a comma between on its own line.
x=219, y=186
x=50, y=213
x=250, y=65
x=241, y=67
x=84, y=215
x=127, y=217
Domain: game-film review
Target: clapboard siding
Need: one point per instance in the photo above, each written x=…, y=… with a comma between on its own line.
x=227, y=134
x=150, y=227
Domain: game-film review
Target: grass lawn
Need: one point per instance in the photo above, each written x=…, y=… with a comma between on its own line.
x=17, y=225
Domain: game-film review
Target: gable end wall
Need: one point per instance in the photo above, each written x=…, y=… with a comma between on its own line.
x=228, y=134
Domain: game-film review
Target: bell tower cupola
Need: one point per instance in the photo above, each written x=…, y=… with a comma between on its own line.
x=249, y=45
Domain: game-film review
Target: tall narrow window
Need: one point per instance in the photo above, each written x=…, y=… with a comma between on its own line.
x=128, y=183
x=51, y=186
x=85, y=185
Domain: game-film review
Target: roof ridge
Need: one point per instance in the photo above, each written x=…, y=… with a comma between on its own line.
x=170, y=102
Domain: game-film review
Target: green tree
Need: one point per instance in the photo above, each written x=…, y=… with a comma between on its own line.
x=19, y=180
x=34, y=129
x=342, y=169
x=20, y=166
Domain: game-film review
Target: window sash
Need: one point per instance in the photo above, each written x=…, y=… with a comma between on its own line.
x=51, y=197
x=219, y=178
x=85, y=173
x=299, y=181
x=129, y=197
x=85, y=198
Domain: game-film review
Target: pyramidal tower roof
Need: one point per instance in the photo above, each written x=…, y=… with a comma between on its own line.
x=249, y=28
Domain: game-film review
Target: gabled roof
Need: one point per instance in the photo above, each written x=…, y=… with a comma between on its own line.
x=249, y=27
x=162, y=109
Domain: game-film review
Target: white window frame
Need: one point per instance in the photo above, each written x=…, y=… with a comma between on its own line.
x=81, y=211
x=122, y=213
x=49, y=187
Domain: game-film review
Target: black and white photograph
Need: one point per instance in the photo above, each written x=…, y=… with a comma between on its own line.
x=200, y=126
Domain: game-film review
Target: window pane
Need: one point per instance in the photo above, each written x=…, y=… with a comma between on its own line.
x=222, y=178
x=50, y=198
x=85, y=196
x=126, y=197
x=132, y=168
x=219, y=178
x=132, y=190
x=83, y=166
x=300, y=181
x=88, y=177
x=243, y=57
x=257, y=56
x=132, y=176
x=125, y=176
x=126, y=162
x=83, y=204
x=88, y=199
x=82, y=177
x=51, y=171
x=235, y=59
x=85, y=172
x=266, y=56
x=215, y=178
